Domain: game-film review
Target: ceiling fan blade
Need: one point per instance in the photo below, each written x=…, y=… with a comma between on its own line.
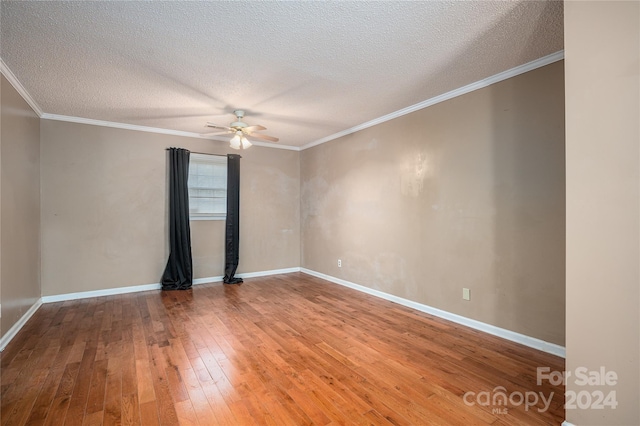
x=215, y=126
x=250, y=129
x=265, y=137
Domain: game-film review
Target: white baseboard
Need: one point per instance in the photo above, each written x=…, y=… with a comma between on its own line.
x=155, y=286
x=487, y=328
x=532, y=342
x=266, y=273
x=98, y=293
x=118, y=290
x=247, y=275
x=9, y=335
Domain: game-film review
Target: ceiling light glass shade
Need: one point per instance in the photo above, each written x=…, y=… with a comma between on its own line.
x=235, y=142
x=245, y=143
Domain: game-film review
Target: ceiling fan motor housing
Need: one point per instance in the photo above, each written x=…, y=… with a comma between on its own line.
x=239, y=124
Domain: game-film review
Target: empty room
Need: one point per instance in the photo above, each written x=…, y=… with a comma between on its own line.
x=320, y=213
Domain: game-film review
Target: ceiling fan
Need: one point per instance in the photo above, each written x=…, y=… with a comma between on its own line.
x=241, y=130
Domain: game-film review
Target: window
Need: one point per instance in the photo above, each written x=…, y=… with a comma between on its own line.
x=207, y=187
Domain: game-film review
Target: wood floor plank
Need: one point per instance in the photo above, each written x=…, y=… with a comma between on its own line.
x=57, y=411
x=282, y=350
x=130, y=410
x=93, y=419
x=43, y=402
x=23, y=408
x=186, y=414
x=149, y=414
x=199, y=400
x=166, y=410
x=62, y=398
x=224, y=415
x=97, y=388
x=113, y=392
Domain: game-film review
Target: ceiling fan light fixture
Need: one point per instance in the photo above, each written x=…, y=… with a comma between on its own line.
x=236, y=142
x=240, y=131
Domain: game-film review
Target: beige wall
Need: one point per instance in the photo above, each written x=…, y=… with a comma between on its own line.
x=1, y=84
x=20, y=207
x=104, y=209
x=602, y=41
x=466, y=193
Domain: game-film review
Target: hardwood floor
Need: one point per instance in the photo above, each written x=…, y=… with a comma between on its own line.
x=283, y=350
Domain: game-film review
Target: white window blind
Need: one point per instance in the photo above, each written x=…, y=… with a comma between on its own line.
x=207, y=187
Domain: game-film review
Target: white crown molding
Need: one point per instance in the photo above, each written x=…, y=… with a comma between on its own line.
x=9, y=335
x=13, y=80
x=546, y=60
x=125, y=126
x=274, y=145
x=521, y=69
x=148, y=129
x=531, y=342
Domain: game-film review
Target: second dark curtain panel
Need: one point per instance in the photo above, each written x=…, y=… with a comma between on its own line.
x=232, y=234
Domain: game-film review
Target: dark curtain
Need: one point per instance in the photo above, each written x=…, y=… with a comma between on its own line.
x=232, y=234
x=178, y=275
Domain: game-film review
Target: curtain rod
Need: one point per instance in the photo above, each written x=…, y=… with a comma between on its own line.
x=203, y=153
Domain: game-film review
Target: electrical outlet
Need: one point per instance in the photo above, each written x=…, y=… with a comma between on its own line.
x=339, y=263
x=466, y=294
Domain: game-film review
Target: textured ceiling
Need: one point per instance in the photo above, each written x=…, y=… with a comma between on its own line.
x=304, y=70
